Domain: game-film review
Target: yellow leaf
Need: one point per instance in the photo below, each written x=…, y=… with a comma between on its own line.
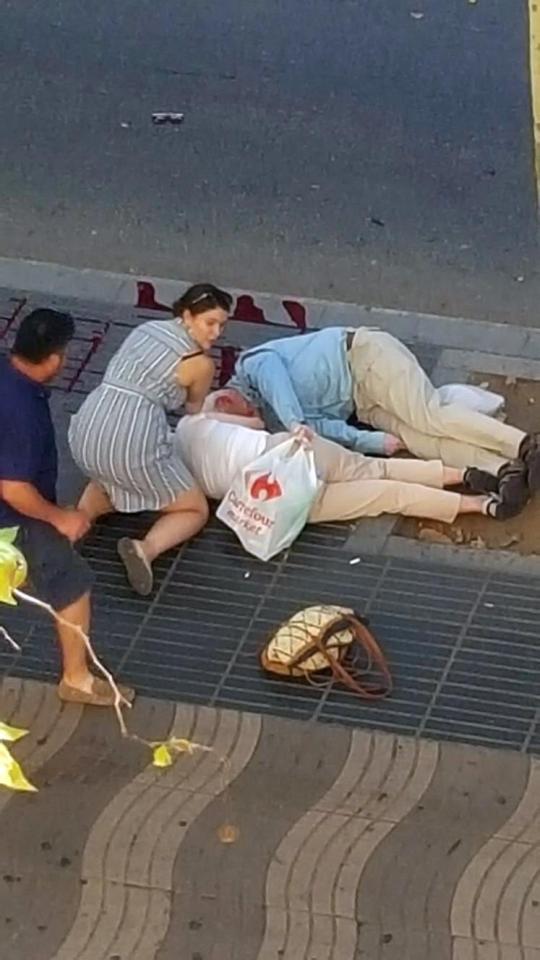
x=11, y=774
x=11, y=733
x=13, y=568
x=162, y=756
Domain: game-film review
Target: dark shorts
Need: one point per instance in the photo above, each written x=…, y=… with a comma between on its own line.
x=57, y=573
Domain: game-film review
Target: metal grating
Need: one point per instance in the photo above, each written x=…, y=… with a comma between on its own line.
x=464, y=648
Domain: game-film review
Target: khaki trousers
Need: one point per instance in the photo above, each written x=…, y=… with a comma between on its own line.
x=357, y=486
x=392, y=393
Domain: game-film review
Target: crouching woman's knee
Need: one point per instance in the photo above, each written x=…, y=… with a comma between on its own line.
x=192, y=501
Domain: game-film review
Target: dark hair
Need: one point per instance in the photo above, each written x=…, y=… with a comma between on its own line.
x=41, y=334
x=202, y=297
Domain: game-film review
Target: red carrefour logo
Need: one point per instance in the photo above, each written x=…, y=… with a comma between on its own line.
x=264, y=488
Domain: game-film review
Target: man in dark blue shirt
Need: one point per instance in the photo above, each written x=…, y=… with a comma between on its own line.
x=28, y=473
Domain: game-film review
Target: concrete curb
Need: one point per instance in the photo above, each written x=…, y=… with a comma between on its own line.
x=146, y=292
x=380, y=541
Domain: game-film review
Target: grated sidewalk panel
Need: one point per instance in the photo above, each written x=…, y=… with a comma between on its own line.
x=464, y=649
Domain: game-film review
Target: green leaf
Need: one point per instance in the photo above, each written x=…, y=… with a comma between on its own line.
x=9, y=534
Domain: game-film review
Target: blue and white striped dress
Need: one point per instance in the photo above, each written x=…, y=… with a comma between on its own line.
x=120, y=437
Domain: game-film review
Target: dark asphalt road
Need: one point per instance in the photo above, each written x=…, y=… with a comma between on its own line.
x=333, y=148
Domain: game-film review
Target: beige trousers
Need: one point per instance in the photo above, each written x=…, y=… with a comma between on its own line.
x=358, y=486
x=392, y=393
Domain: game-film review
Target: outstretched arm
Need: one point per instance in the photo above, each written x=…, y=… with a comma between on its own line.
x=373, y=442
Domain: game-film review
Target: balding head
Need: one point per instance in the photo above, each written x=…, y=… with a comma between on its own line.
x=229, y=401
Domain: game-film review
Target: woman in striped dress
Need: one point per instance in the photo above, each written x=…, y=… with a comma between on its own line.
x=120, y=437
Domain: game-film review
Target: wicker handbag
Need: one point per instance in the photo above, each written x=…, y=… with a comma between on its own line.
x=323, y=640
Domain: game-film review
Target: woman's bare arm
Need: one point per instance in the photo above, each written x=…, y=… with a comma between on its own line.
x=196, y=374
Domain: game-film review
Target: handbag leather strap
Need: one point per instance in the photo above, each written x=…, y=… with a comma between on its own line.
x=363, y=639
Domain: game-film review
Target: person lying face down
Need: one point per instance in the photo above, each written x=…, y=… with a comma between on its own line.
x=229, y=435
x=320, y=379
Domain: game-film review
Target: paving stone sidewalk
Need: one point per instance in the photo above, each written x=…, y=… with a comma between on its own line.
x=348, y=842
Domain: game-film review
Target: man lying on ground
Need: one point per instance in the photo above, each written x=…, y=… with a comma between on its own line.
x=321, y=379
x=216, y=446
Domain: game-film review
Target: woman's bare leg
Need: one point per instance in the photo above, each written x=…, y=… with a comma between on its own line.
x=178, y=522
x=95, y=502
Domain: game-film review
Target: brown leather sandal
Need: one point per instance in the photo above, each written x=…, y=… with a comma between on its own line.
x=138, y=569
x=101, y=694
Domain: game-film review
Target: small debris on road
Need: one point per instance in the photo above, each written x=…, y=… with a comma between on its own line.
x=515, y=538
x=478, y=543
x=228, y=833
x=161, y=118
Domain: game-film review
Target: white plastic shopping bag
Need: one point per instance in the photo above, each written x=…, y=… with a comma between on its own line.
x=269, y=500
x=472, y=397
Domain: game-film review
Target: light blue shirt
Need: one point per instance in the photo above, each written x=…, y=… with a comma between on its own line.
x=305, y=379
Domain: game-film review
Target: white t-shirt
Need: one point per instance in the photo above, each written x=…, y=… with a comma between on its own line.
x=214, y=451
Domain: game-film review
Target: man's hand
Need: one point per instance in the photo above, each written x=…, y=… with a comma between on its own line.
x=71, y=523
x=392, y=445
x=26, y=500
x=302, y=433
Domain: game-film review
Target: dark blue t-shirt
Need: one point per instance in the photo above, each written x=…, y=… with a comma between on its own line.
x=27, y=442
